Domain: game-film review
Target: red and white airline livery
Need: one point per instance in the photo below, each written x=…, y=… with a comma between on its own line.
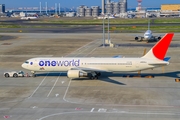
x=92, y=67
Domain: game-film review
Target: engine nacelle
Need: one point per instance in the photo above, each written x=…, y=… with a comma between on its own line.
x=136, y=38
x=159, y=38
x=76, y=74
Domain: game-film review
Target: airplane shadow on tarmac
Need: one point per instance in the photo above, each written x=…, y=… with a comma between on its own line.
x=106, y=76
x=105, y=79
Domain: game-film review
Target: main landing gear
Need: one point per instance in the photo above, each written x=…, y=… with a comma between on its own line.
x=94, y=75
x=33, y=73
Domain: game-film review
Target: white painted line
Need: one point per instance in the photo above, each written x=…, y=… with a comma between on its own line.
x=92, y=109
x=38, y=86
x=133, y=113
x=90, y=52
x=102, y=110
x=80, y=48
x=87, y=46
x=64, y=98
x=54, y=85
x=56, y=114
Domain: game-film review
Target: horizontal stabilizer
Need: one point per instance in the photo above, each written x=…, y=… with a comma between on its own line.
x=117, y=56
x=167, y=59
x=163, y=63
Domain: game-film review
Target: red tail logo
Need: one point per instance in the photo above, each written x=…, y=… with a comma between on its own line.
x=160, y=49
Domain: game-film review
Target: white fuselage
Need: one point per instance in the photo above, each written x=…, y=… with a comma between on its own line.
x=91, y=64
x=148, y=35
x=28, y=18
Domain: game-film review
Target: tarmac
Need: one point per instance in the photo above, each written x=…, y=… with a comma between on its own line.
x=53, y=96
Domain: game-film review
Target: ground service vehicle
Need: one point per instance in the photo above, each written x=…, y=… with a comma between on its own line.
x=14, y=74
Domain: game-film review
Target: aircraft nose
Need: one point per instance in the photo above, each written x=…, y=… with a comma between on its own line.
x=24, y=66
x=147, y=37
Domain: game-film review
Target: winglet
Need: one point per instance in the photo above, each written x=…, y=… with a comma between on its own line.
x=160, y=48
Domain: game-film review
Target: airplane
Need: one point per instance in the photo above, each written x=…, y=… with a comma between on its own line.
x=148, y=35
x=29, y=18
x=92, y=67
x=106, y=17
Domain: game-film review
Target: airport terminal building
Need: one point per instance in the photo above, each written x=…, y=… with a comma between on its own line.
x=170, y=7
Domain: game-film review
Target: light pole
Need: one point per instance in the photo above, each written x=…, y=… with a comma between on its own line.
x=108, y=30
x=103, y=33
x=55, y=8
x=46, y=8
x=59, y=8
x=40, y=7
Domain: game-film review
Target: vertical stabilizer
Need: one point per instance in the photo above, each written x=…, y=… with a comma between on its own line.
x=159, y=50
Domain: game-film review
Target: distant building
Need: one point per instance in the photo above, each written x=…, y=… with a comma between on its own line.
x=2, y=8
x=170, y=7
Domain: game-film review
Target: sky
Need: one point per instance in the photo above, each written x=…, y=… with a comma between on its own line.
x=76, y=3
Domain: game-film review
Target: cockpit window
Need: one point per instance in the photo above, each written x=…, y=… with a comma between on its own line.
x=27, y=62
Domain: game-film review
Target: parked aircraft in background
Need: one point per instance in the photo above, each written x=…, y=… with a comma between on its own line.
x=148, y=35
x=92, y=67
x=29, y=18
x=106, y=17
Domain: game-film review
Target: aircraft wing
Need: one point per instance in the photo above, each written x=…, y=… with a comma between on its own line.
x=85, y=70
x=139, y=36
x=158, y=35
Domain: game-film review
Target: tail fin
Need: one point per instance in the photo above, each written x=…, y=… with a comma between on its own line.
x=158, y=51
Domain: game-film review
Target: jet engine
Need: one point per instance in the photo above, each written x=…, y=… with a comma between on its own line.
x=76, y=74
x=136, y=38
x=159, y=38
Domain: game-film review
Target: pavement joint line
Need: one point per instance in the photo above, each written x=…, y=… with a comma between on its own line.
x=38, y=86
x=54, y=85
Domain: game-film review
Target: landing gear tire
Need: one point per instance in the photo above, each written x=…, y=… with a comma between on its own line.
x=33, y=73
x=6, y=75
x=94, y=77
x=15, y=75
x=98, y=74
